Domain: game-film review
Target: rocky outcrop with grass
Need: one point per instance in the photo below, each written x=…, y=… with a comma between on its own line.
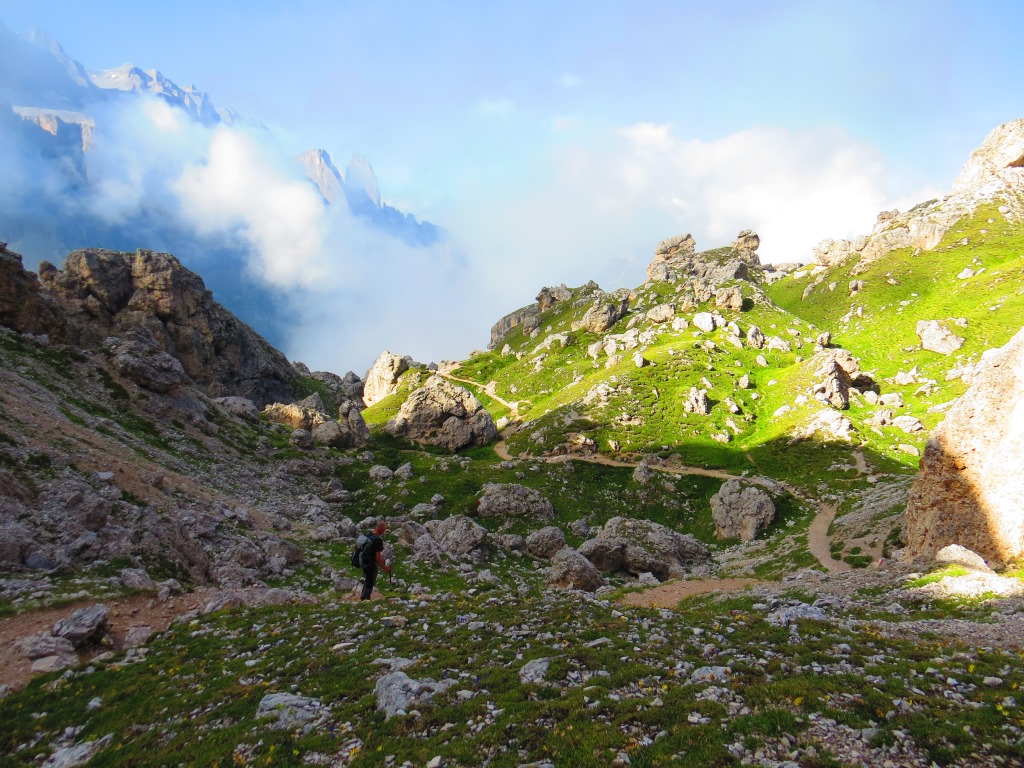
x=105, y=294
x=382, y=378
x=443, y=414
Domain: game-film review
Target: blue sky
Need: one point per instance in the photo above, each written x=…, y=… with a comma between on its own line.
x=560, y=142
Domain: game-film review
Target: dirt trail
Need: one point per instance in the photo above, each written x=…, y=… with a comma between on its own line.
x=669, y=595
x=125, y=613
x=818, y=541
x=512, y=407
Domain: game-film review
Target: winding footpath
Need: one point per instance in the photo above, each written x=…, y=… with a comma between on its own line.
x=818, y=541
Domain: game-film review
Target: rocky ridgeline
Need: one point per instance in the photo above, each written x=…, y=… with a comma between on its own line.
x=994, y=171
x=162, y=324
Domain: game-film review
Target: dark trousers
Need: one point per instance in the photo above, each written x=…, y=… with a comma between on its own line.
x=369, y=579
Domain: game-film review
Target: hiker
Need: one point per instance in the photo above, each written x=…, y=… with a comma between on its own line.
x=373, y=557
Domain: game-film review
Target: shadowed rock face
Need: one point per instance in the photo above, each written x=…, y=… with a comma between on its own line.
x=22, y=305
x=970, y=489
x=151, y=295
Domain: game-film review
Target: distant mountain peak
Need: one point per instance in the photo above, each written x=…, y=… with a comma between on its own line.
x=42, y=40
x=359, y=176
x=130, y=78
x=323, y=173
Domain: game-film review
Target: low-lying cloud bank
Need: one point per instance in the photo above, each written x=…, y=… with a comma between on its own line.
x=607, y=198
x=343, y=290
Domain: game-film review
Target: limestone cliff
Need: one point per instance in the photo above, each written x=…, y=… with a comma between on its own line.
x=151, y=298
x=970, y=489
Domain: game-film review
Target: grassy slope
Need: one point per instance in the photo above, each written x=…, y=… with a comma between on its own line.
x=645, y=414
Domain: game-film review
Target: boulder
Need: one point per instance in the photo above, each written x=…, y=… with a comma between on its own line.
x=571, y=570
x=697, y=402
x=837, y=371
x=443, y=414
x=730, y=298
x=643, y=473
x=607, y=554
x=662, y=313
x=655, y=548
x=937, y=338
x=954, y=553
x=741, y=510
x=543, y=544
x=513, y=500
x=909, y=424
x=755, y=338
x=381, y=474
x=397, y=693
x=137, y=579
x=84, y=626
x=970, y=490
x=300, y=438
x=705, y=321
x=42, y=644
x=460, y=537
x=338, y=434
x=603, y=315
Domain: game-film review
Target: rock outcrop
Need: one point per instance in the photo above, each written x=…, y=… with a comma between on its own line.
x=970, y=489
x=382, y=378
x=677, y=257
x=649, y=547
x=994, y=170
x=444, y=414
x=513, y=500
x=997, y=165
x=151, y=299
x=741, y=510
x=23, y=306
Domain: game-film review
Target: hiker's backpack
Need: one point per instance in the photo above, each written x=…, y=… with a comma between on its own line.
x=362, y=554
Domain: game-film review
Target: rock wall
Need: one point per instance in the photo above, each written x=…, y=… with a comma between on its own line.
x=526, y=316
x=970, y=490
x=151, y=299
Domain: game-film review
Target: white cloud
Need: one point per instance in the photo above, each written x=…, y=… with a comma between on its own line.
x=604, y=203
x=794, y=188
x=497, y=107
x=237, y=186
x=570, y=81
